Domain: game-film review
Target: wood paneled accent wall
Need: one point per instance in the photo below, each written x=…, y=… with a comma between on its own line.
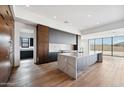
x=42, y=44
x=6, y=28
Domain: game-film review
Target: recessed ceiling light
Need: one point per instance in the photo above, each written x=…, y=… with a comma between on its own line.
x=89, y=15
x=54, y=17
x=27, y=5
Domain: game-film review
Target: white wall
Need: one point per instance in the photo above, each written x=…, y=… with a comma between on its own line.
x=110, y=33
x=21, y=27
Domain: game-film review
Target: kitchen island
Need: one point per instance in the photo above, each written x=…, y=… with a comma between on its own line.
x=73, y=63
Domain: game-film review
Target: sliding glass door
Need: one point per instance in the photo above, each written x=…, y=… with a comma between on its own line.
x=107, y=46
x=98, y=45
x=118, y=46
x=91, y=46
x=113, y=46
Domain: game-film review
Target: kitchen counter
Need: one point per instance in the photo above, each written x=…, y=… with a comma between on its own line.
x=27, y=49
x=77, y=55
x=73, y=63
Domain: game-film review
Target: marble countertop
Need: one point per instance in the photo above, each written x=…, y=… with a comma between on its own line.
x=77, y=55
x=26, y=49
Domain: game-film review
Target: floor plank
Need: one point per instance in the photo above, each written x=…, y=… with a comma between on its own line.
x=109, y=73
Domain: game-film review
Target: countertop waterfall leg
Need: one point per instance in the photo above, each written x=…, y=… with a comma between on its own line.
x=72, y=64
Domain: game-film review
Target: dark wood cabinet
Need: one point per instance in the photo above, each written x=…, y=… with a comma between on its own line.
x=42, y=44
x=6, y=46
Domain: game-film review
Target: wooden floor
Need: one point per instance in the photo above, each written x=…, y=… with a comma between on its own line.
x=108, y=73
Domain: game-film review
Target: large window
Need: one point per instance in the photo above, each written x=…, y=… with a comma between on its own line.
x=118, y=46
x=98, y=45
x=91, y=46
x=107, y=46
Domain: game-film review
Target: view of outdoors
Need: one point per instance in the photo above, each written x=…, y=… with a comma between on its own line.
x=98, y=45
x=109, y=46
x=118, y=46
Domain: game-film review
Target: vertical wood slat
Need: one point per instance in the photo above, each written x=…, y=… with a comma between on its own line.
x=42, y=44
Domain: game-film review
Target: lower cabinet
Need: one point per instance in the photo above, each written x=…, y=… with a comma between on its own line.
x=26, y=54
x=52, y=56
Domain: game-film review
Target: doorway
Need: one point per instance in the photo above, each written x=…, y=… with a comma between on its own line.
x=26, y=47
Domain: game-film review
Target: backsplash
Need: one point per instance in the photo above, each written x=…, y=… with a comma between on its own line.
x=57, y=47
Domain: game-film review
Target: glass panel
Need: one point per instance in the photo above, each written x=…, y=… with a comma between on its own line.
x=98, y=45
x=24, y=42
x=107, y=46
x=91, y=46
x=118, y=46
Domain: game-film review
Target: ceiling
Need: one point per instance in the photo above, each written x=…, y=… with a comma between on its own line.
x=80, y=16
